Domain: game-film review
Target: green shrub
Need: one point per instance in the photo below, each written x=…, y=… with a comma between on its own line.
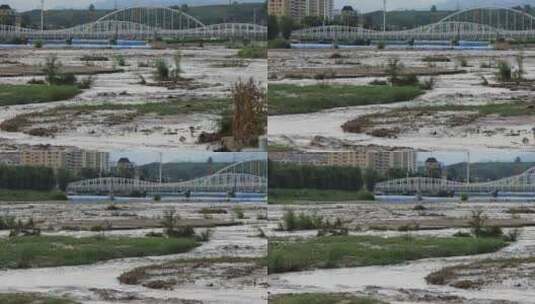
x=119, y=60
x=505, y=72
x=279, y=43
x=381, y=45
x=253, y=52
x=162, y=71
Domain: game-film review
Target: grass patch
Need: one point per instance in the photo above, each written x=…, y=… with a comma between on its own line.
x=31, y=195
x=19, y=298
x=138, y=275
x=252, y=52
x=355, y=251
x=490, y=269
x=51, y=251
x=321, y=298
x=293, y=196
x=369, y=123
x=35, y=93
x=213, y=210
x=294, y=99
x=73, y=113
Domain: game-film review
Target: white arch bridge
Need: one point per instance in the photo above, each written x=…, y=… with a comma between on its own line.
x=524, y=182
x=480, y=23
x=248, y=176
x=141, y=23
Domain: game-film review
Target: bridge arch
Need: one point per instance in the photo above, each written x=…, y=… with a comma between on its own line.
x=524, y=182
x=155, y=16
x=495, y=16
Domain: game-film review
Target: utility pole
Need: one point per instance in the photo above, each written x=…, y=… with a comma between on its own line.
x=254, y=15
x=42, y=15
x=161, y=159
x=384, y=15
x=468, y=168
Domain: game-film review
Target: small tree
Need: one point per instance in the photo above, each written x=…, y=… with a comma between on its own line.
x=169, y=221
x=505, y=72
x=177, y=68
x=393, y=70
x=52, y=69
x=250, y=111
x=162, y=71
x=477, y=222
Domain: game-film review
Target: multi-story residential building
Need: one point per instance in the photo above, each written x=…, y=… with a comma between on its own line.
x=9, y=157
x=278, y=7
x=376, y=159
x=321, y=8
x=9, y=16
x=72, y=159
x=299, y=9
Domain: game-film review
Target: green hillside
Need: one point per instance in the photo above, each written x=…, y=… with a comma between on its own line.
x=210, y=14
x=179, y=171
x=488, y=171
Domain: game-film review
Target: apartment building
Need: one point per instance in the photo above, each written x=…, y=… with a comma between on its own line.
x=321, y=8
x=299, y=9
x=9, y=16
x=379, y=160
x=72, y=159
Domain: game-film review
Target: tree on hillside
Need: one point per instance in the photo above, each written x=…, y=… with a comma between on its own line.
x=273, y=27
x=286, y=25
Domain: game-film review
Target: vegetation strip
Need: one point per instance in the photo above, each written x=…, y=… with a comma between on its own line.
x=35, y=93
x=480, y=273
x=137, y=275
x=26, y=298
x=294, y=196
x=50, y=251
x=355, y=251
x=73, y=113
x=321, y=298
x=295, y=99
x=365, y=123
x=7, y=195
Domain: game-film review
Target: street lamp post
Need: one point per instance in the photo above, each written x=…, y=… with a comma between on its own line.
x=42, y=15
x=384, y=15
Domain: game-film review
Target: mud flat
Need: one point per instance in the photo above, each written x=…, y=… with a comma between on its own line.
x=211, y=73
x=232, y=251
x=448, y=130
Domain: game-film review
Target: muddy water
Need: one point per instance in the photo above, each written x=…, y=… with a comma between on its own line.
x=407, y=279
x=407, y=276
x=172, y=132
x=80, y=282
x=300, y=130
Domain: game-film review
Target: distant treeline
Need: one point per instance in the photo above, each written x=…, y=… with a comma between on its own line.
x=174, y=172
x=481, y=172
x=27, y=178
x=209, y=14
x=314, y=177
